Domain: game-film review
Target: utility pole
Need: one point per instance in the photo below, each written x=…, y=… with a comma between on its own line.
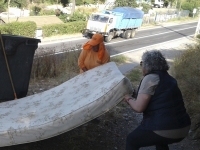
x=8, y=11
x=73, y=6
x=180, y=9
x=197, y=29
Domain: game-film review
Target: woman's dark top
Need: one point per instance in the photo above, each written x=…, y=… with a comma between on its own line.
x=166, y=109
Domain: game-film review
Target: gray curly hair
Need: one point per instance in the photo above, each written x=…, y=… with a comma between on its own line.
x=154, y=61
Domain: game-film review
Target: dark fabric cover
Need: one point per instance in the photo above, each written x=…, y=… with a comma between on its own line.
x=166, y=109
x=19, y=52
x=129, y=12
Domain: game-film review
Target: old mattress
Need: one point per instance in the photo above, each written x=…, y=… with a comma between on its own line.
x=62, y=108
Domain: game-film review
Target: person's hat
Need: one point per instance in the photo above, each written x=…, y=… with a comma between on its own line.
x=96, y=39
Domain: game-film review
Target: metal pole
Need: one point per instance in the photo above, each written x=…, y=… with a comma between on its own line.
x=198, y=28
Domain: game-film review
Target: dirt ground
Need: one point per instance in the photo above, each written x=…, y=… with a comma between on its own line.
x=107, y=132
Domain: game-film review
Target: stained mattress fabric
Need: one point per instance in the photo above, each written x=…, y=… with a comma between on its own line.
x=64, y=107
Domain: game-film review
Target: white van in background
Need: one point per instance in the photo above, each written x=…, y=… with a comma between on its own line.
x=158, y=3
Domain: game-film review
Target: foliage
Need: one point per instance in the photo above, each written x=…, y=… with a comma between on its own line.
x=79, y=2
x=44, y=12
x=187, y=72
x=119, y=59
x=2, y=6
x=17, y=3
x=187, y=6
x=47, y=65
x=81, y=14
x=131, y=3
x=19, y=28
x=135, y=76
x=35, y=10
x=198, y=36
x=171, y=2
x=146, y=7
x=64, y=2
x=61, y=29
x=63, y=17
x=78, y=16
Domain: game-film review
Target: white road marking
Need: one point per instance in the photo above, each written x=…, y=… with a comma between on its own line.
x=128, y=51
x=148, y=36
x=81, y=38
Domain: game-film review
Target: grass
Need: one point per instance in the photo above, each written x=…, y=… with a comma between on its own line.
x=47, y=64
x=183, y=19
x=135, y=76
x=119, y=59
x=187, y=73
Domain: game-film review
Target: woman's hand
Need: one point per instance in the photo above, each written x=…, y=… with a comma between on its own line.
x=127, y=98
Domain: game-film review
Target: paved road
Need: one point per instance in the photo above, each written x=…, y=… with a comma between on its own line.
x=143, y=38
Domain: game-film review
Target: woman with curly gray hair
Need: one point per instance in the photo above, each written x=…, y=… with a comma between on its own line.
x=165, y=120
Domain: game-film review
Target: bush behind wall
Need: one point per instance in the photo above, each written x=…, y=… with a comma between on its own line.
x=19, y=28
x=61, y=29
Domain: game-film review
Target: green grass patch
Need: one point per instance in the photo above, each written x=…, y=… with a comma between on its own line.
x=119, y=59
x=135, y=76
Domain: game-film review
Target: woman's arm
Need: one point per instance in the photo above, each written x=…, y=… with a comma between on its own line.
x=140, y=104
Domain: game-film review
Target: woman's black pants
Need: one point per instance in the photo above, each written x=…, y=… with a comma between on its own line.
x=143, y=138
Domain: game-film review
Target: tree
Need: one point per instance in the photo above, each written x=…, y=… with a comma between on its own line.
x=64, y=2
x=131, y=3
x=171, y=2
x=2, y=6
x=17, y=3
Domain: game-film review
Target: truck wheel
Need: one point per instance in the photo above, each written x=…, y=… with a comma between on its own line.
x=133, y=33
x=127, y=34
x=123, y=34
x=109, y=37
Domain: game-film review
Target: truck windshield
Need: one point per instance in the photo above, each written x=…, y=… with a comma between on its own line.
x=100, y=18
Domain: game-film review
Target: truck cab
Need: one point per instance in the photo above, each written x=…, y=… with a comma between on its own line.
x=100, y=23
x=121, y=21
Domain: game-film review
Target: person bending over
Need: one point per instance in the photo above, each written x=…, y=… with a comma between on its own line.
x=93, y=54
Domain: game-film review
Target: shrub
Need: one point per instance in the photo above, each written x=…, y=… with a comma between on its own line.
x=78, y=16
x=187, y=73
x=146, y=7
x=81, y=14
x=35, y=10
x=198, y=36
x=44, y=12
x=61, y=29
x=20, y=28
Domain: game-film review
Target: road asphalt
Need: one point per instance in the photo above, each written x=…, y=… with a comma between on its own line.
x=170, y=49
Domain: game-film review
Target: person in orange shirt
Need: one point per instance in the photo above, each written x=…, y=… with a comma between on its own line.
x=93, y=54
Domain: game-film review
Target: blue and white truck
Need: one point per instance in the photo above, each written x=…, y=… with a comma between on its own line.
x=120, y=21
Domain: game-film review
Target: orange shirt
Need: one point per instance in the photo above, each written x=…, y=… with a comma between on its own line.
x=89, y=59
